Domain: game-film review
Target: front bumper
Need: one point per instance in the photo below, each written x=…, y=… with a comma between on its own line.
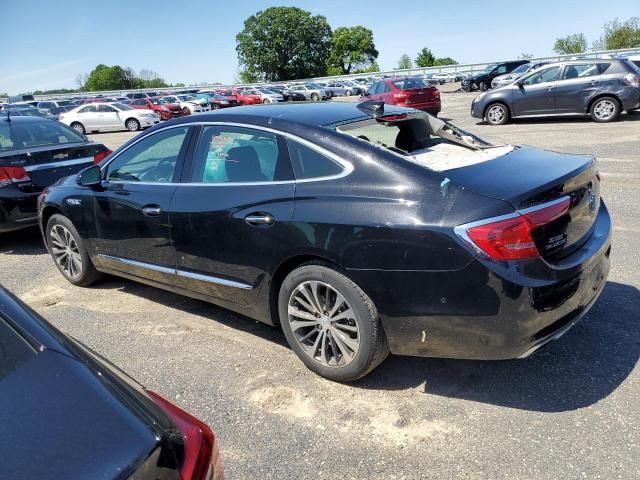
x=485, y=313
x=17, y=209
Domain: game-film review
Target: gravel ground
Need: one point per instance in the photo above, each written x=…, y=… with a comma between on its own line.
x=570, y=411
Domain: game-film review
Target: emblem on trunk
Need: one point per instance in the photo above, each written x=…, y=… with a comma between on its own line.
x=60, y=156
x=592, y=201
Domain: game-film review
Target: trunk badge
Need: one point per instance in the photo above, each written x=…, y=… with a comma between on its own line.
x=60, y=156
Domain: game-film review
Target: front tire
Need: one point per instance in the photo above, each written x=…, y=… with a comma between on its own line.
x=132, y=125
x=314, y=97
x=483, y=86
x=78, y=127
x=497, y=114
x=67, y=248
x=605, y=109
x=330, y=323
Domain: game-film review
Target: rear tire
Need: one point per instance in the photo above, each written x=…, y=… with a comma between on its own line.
x=605, y=109
x=132, y=125
x=339, y=335
x=497, y=114
x=78, y=127
x=69, y=252
x=314, y=97
x=483, y=86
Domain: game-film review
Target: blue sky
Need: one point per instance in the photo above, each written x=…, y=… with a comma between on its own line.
x=48, y=42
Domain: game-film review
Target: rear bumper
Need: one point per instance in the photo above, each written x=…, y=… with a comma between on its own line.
x=480, y=313
x=17, y=209
x=431, y=106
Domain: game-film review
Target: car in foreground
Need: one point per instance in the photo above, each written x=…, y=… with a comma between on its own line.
x=482, y=81
x=406, y=92
x=358, y=228
x=601, y=88
x=86, y=416
x=164, y=109
x=101, y=117
x=507, y=78
x=35, y=153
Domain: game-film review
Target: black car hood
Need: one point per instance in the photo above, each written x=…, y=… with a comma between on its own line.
x=60, y=421
x=520, y=175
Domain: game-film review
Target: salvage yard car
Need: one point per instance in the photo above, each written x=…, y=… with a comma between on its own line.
x=35, y=153
x=601, y=88
x=406, y=92
x=88, y=418
x=100, y=117
x=359, y=229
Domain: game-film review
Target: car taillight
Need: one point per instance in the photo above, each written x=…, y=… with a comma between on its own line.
x=632, y=80
x=509, y=237
x=200, y=459
x=10, y=175
x=98, y=157
x=400, y=95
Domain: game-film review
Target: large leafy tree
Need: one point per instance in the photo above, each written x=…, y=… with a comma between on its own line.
x=444, y=61
x=283, y=43
x=425, y=58
x=352, y=48
x=575, y=43
x=619, y=35
x=109, y=78
x=404, y=62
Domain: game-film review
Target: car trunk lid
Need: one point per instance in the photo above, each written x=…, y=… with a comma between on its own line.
x=417, y=95
x=528, y=178
x=45, y=165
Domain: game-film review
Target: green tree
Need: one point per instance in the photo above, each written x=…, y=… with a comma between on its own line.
x=575, y=43
x=283, y=43
x=444, y=61
x=352, y=48
x=109, y=78
x=372, y=68
x=404, y=62
x=425, y=58
x=619, y=35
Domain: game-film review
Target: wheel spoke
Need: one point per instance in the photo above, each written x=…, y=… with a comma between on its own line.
x=344, y=349
x=308, y=335
x=323, y=348
x=300, y=314
x=345, y=315
x=309, y=299
x=338, y=303
x=348, y=328
x=316, y=299
x=350, y=342
x=305, y=304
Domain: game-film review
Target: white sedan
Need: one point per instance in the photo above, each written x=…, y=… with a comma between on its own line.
x=189, y=102
x=97, y=117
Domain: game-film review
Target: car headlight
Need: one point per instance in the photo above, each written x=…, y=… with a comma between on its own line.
x=224, y=102
x=165, y=109
x=150, y=115
x=480, y=97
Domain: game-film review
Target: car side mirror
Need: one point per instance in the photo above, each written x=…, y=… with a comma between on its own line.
x=90, y=176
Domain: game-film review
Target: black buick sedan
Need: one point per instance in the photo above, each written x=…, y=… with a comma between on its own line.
x=68, y=413
x=359, y=229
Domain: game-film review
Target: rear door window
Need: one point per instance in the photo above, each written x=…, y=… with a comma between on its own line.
x=582, y=70
x=88, y=109
x=228, y=154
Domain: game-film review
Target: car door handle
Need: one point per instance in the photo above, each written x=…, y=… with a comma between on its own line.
x=259, y=219
x=152, y=210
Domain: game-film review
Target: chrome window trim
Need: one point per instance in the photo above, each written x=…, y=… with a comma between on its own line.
x=461, y=230
x=179, y=273
x=346, y=165
x=62, y=163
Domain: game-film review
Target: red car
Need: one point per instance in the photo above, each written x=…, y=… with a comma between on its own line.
x=247, y=98
x=406, y=92
x=167, y=111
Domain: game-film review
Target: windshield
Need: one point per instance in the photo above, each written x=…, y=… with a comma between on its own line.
x=490, y=68
x=171, y=99
x=226, y=93
x=265, y=91
x=15, y=136
x=121, y=106
x=186, y=98
x=522, y=68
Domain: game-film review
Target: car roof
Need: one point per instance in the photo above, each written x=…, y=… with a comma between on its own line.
x=312, y=114
x=23, y=118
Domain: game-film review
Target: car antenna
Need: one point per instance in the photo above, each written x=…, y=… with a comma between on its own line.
x=375, y=108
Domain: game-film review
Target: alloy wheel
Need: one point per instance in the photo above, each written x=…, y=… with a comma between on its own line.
x=323, y=324
x=496, y=114
x=65, y=251
x=604, y=109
